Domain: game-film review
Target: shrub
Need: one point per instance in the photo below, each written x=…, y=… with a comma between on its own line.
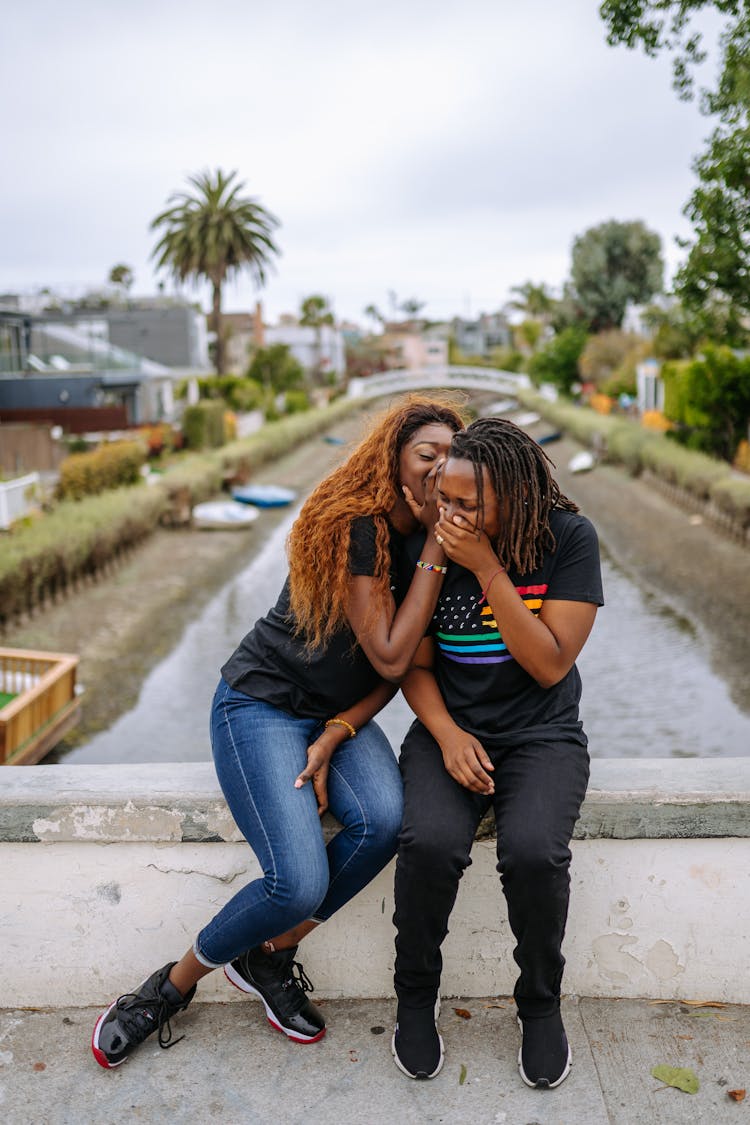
x=109, y=466
x=296, y=401
x=74, y=540
x=732, y=495
x=203, y=425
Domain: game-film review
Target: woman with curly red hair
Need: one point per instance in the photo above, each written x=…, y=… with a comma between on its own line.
x=295, y=704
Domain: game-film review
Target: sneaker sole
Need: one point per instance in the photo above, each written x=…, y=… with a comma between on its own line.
x=239, y=982
x=543, y=1084
x=98, y=1053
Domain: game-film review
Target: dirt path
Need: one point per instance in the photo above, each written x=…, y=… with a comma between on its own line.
x=124, y=624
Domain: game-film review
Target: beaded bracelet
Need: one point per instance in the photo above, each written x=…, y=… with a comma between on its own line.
x=432, y=566
x=342, y=723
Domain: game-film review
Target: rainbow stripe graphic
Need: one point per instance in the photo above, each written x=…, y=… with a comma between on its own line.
x=468, y=633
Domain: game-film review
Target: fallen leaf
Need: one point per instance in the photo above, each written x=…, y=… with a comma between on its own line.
x=40, y=1066
x=737, y=1095
x=494, y=1005
x=377, y=1030
x=462, y=1075
x=684, y=1037
x=464, y=1013
x=693, y=1003
x=681, y=1078
x=704, y=1003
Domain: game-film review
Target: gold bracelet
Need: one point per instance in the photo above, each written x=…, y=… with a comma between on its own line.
x=342, y=723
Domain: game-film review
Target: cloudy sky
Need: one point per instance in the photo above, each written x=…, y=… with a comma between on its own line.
x=442, y=149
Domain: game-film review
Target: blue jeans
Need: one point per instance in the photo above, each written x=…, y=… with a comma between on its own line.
x=259, y=751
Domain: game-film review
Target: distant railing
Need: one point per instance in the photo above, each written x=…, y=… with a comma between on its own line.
x=405, y=379
x=15, y=498
x=38, y=702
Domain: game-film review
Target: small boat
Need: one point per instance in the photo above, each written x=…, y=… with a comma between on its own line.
x=582, y=462
x=216, y=515
x=545, y=439
x=39, y=703
x=530, y=418
x=330, y=439
x=263, y=495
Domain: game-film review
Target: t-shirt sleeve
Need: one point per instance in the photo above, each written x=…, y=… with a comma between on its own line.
x=577, y=575
x=362, y=546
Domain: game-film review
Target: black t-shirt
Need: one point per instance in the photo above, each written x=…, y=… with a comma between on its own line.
x=486, y=692
x=271, y=663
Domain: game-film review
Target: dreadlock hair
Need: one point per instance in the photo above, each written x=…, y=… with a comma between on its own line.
x=519, y=472
x=367, y=484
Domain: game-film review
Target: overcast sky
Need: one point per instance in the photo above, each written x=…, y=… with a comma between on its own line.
x=443, y=150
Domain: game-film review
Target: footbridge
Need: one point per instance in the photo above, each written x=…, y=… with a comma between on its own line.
x=423, y=378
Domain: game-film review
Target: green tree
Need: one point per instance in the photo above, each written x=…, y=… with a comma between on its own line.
x=557, y=361
x=614, y=264
x=535, y=300
x=122, y=277
x=315, y=312
x=276, y=369
x=715, y=277
x=211, y=235
x=714, y=401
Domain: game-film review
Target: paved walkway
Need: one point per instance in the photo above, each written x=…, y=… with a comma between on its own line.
x=233, y=1069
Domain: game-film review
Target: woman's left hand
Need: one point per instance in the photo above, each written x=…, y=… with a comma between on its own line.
x=319, y=754
x=464, y=544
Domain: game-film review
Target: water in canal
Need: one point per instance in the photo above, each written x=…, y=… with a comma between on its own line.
x=648, y=689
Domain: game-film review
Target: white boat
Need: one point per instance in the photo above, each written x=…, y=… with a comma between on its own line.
x=529, y=418
x=223, y=514
x=582, y=462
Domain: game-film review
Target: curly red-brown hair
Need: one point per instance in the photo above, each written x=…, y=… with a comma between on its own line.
x=367, y=484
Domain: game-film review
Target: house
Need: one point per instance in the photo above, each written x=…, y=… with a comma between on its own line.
x=172, y=333
x=414, y=347
x=481, y=336
x=319, y=350
x=53, y=373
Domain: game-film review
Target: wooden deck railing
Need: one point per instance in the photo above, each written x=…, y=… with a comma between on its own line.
x=44, y=707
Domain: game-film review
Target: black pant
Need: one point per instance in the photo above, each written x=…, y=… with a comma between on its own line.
x=539, y=789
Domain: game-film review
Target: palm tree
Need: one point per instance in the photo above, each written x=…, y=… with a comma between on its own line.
x=212, y=235
x=315, y=311
x=536, y=300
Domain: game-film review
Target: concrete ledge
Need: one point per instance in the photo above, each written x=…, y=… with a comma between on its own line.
x=637, y=798
x=110, y=871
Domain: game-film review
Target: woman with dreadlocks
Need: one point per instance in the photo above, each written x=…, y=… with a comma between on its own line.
x=295, y=704
x=495, y=690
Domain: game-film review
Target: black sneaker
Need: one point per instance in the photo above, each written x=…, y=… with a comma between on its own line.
x=545, y=1058
x=417, y=1045
x=281, y=983
x=133, y=1017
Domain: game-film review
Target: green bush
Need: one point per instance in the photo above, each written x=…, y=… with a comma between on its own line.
x=732, y=495
x=109, y=466
x=74, y=540
x=295, y=402
x=203, y=425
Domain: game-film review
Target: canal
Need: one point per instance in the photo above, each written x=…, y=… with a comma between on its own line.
x=649, y=690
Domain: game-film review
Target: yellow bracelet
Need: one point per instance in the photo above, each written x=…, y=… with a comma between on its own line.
x=342, y=723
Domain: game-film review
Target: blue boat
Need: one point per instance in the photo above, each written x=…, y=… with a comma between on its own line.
x=264, y=495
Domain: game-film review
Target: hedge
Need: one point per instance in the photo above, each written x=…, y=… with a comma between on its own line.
x=629, y=444
x=78, y=538
x=110, y=466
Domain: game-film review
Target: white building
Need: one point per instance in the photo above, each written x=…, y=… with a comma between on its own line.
x=318, y=349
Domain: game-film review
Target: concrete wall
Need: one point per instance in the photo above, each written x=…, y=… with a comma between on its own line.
x=109, y=871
